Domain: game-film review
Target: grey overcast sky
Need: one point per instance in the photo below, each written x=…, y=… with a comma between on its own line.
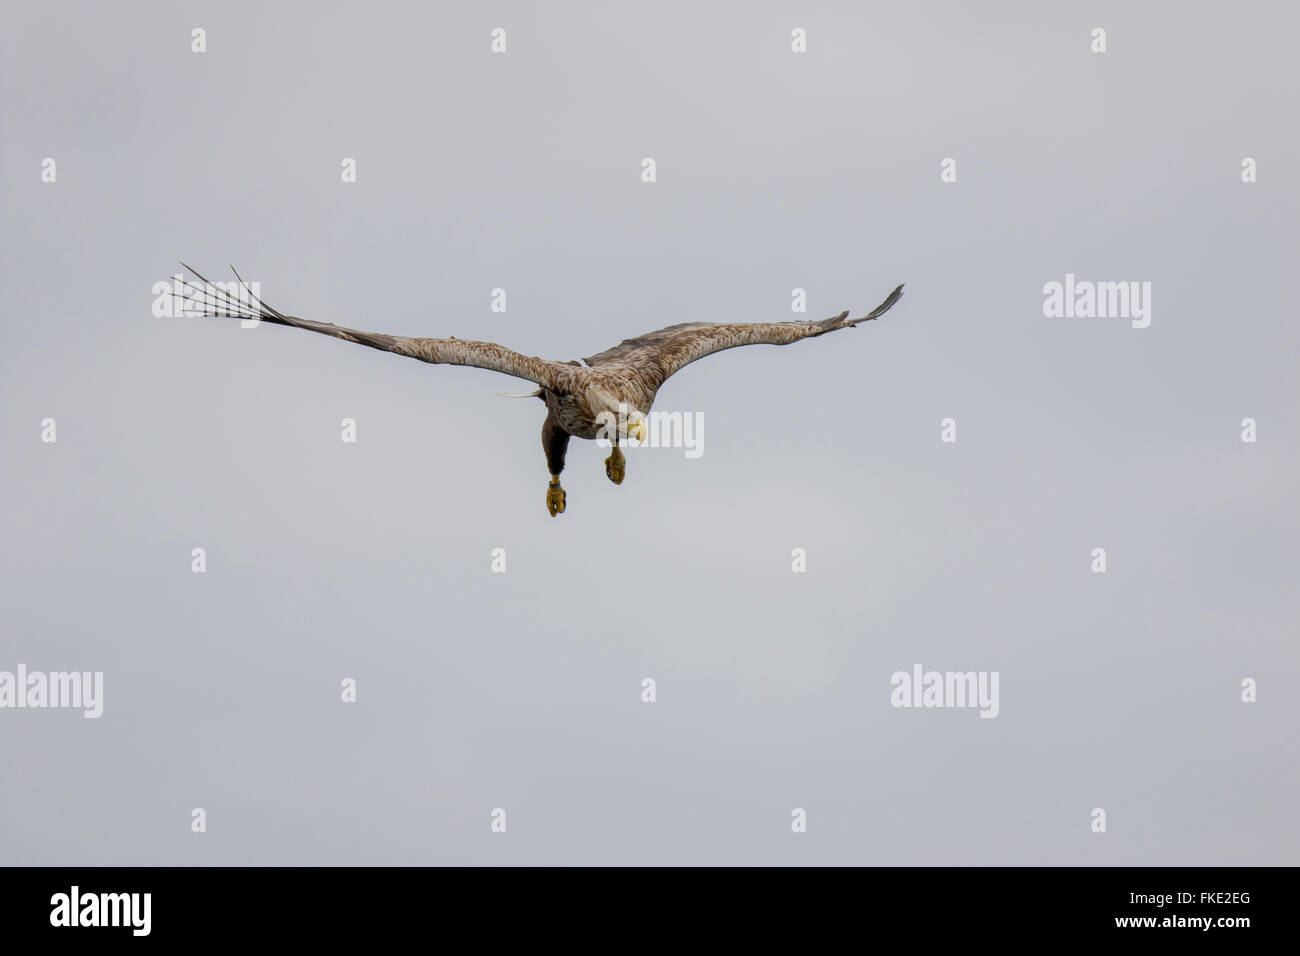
x=775, y=170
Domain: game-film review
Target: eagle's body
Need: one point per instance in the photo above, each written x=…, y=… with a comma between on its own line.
x=608, y=397
x=575, y=404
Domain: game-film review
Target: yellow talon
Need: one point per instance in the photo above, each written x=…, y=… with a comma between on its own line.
x=555, y=497
x=616, y=466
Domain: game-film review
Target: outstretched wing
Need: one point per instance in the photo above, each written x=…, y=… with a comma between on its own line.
x=658, y=355
x=216, y=300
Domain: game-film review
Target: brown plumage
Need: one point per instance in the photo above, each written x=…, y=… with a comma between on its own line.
x=616, y=389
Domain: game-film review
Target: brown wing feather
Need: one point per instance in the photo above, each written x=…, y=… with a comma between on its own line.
x=214, y=302
x=452, y=351
x=663, y=352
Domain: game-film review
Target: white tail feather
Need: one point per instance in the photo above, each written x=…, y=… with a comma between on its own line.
x=520, y=394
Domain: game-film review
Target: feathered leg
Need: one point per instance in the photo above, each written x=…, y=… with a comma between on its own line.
x=555, y=442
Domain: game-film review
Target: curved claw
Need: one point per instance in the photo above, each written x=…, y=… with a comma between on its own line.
x=555, y=499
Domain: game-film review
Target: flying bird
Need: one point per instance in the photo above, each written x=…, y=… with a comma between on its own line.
x=607, y=398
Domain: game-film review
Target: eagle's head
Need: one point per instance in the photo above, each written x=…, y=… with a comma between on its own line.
x=634, y=426
x=622, y=421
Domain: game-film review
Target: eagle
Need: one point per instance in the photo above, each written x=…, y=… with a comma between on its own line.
x=609, y=397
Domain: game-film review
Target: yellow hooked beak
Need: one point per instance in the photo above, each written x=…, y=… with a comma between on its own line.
x=636, y=430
